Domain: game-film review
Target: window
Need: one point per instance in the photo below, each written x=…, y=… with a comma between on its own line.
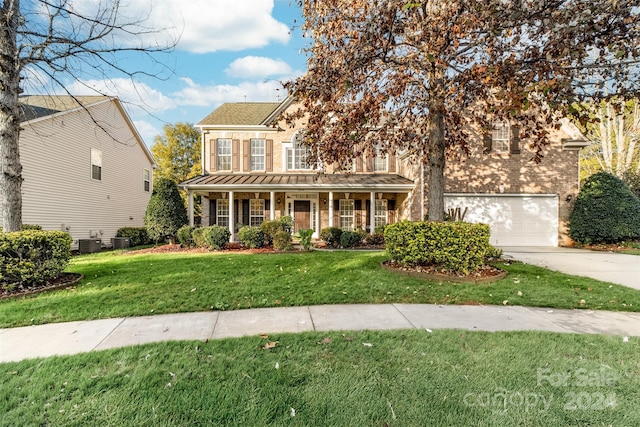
x=224, y=154
x=500, y=137
x=96, y=164
x=380, y=213
x=297, y=157
x=380, y=162
x=257, y=154
x=147, y=180
x=346, y=214
x=222, y=214
x=256, y=212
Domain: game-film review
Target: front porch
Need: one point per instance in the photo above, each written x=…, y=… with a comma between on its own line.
x=314, y=201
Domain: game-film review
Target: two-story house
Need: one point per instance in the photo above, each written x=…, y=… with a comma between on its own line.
x=86, y=169
x=255, y=169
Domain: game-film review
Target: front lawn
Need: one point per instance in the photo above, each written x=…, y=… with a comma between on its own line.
x=391, y=378
x=118, y=284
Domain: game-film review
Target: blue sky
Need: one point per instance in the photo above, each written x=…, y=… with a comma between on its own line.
x=229, y=51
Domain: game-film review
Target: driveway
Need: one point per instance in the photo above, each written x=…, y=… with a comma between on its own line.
x=606, y=266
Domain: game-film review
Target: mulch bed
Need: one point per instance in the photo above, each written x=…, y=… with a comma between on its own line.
x=607, y=247
x=64, y=280
x=485, y=274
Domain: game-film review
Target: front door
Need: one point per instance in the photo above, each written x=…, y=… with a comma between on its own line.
x=301, y=215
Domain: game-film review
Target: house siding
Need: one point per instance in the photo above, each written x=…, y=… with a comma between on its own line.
x=58, y=191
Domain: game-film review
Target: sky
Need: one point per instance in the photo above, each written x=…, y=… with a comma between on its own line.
x=228, y=51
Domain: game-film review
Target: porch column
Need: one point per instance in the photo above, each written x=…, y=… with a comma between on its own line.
x=372, y=213
x=190, y=207
x=272, y=206
x=231, y=216
x=330, y=208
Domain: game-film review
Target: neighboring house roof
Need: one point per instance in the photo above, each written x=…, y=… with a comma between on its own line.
x=298, y=182
x=241, y=114
x=35, y=107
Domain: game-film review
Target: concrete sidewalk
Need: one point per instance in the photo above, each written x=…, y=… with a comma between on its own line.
x=79, y=337
x=606, y=266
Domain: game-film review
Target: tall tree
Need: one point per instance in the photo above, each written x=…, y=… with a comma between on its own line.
x=178, y=155
x=426, y=76
x=177, y=152
x=60, y=41
x=615, y=138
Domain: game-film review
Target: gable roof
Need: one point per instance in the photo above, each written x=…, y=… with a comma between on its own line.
x=241, y=114
x=39, y=106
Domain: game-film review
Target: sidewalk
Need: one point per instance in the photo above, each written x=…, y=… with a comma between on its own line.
x=84, y=336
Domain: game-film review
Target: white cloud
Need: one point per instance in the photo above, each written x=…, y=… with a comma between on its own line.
x=213, y=95
x=257, y=67
x=204, y=26
x=141, y=99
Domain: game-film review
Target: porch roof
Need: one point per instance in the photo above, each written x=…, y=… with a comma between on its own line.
x=299, y=182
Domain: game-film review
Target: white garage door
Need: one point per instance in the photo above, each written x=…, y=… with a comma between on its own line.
x=515, y=219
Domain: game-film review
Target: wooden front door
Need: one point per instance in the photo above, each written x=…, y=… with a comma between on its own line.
x=301, y=215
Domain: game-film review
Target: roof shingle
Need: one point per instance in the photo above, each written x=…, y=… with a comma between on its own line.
x=240, y=114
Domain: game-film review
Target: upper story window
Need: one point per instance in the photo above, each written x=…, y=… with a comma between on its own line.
x=147, y=180
x=223, y=154
x=380, y=162
x=500, y=137
x=297, y=157
x=96, y=164
x=257, y=147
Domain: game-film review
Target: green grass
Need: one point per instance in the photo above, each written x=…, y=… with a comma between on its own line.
x=117, y=285
x=404, y=378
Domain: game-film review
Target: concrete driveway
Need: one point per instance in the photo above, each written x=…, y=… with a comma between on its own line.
x=606, y=266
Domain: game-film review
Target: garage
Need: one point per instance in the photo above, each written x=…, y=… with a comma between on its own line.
x=515, y=219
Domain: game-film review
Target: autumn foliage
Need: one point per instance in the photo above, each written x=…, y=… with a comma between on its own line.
x=428, y=78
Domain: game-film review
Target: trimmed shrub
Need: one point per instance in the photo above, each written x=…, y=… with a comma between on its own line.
x=305, y=238
x=606, y=210
x=270, y=228
x=349, y=239
x=165, y=212
x=185, y=236
x=282, y=241
x=493, y=253
x=198, y=238
x=331, y=236
x=458, y=247
x=216, y=237
x=375, y=239
x=251, y=237
x=137, y=235
x=32, y=257
x=26, y=227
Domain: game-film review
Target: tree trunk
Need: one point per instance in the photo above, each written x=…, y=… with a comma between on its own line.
x=10, y=167
x=436, y=152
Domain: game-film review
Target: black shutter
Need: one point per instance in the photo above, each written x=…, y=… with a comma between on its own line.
x=235, y=213
x=515, y=140
x=367, y=213
x=245, y=212
x=212, y=212
x=336, y=213
x=487, y=143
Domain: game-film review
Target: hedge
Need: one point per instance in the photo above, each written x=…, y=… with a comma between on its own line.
x=331, y=236
x=251, y=237
x=137, y=235
x=215, y=237
x=458, y=247
x=185, y=236
x=31, y=258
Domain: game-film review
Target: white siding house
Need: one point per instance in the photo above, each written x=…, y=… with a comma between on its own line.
x=85, y=168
